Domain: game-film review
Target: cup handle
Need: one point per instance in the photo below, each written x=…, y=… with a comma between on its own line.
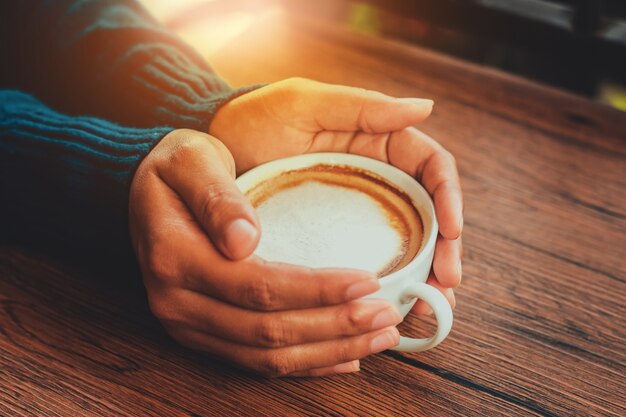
x=442, y=310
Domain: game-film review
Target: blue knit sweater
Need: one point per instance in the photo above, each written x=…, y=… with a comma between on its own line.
x=87, y=88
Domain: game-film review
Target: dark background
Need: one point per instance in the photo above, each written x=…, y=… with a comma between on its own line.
x=577, y=45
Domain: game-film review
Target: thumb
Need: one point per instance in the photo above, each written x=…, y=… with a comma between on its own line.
x=201, y=171
x=343, y=108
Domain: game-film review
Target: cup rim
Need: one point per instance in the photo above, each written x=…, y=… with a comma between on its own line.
x=419, y=196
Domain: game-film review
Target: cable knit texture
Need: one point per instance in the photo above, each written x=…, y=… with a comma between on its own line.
x=87, y=88
x=108, y=58
x=65, y=179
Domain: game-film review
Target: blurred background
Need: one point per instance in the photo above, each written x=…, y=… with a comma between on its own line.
x=576, y=45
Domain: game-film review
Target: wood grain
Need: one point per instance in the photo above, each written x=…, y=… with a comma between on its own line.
x=539, y=325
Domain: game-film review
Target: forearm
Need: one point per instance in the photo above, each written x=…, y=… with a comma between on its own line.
x=108, y=58
x=66, y=178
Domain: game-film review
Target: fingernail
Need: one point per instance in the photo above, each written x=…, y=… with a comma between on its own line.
x=240, y=236
x=429, y=312
x=459, y=271
x=461, y=224
x=345, y=368
x=362, y=288
x=384, y=341
x=388, y=317
x=418, y=102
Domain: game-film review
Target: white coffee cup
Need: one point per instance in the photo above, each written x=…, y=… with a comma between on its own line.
x=405, y=286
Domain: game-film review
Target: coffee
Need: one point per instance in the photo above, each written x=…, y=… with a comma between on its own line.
x=336, y=216
x=343, y=210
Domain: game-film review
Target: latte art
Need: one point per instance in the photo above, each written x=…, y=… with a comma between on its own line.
x=336, y=216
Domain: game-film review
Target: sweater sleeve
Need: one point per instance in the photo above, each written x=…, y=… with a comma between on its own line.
x=65, y=180
x=110, y=59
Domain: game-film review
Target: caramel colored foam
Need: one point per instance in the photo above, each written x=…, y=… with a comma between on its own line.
x=396, y=206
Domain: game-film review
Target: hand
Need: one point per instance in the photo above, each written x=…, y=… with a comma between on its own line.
x=193, y=233
x=296, y=116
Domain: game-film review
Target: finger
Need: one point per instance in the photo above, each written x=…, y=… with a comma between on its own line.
x=422, y=157
x=342, y=368
x=371, y=145
x=276, y=329
x=421, y=308
x=356, y=108
x=176, y=252
x=202, y=172
x=447, y=262
x=267, y=286
x=288, y=360
x=415, y=153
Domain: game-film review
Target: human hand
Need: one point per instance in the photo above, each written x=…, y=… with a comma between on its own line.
x=193, y=233
x=296, y=116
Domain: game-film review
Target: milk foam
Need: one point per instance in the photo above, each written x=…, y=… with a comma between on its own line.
x=322, y=225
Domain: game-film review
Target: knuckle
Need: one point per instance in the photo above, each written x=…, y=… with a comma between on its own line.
x=277, y=364
x=295, y=82
x=271, y=333
x=215, y=197
x=161, y=307
x=184, y=151
x=291, y=89
x=161, y=264
x=363, y=107
x=353, y=319
x=259, y=295
x=324, y=291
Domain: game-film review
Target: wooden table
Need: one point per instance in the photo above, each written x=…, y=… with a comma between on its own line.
x=539, y=325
